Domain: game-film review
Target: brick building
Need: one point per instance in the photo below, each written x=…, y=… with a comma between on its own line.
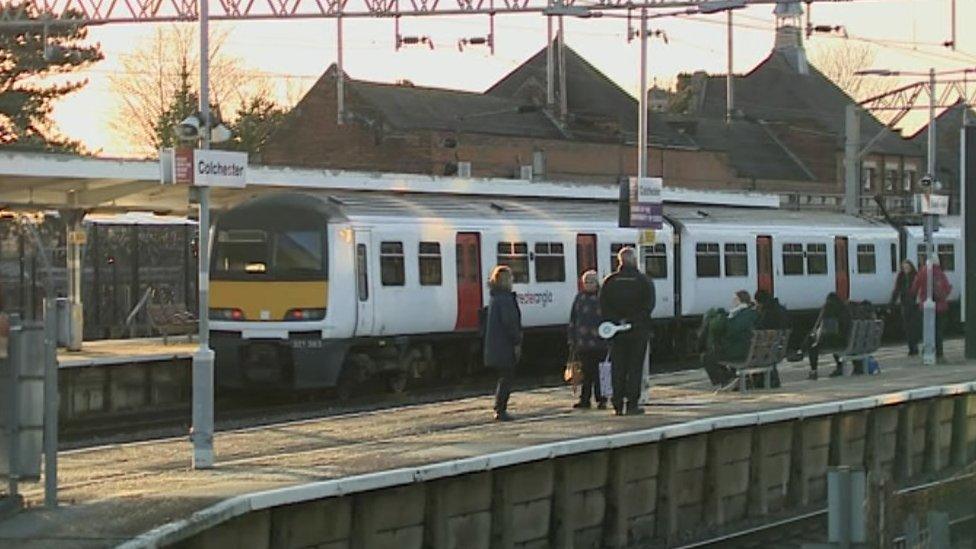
x=786, y=135
x=947, y=142
x=508, y=130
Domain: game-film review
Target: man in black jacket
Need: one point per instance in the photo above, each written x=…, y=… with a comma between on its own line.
x=627, y=296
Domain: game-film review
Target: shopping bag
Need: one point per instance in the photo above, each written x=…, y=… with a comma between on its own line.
x=873, y=366
x=573, y=374
x=606, y=377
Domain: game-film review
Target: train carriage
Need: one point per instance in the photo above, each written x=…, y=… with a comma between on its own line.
x=319, y=290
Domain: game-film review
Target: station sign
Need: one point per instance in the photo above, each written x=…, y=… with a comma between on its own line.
x=932, y=204
x=641, y=205
x=203, y=168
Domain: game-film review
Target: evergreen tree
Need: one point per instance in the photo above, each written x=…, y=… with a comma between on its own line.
x=184, y=103
x=33, y=64
x=256, y=120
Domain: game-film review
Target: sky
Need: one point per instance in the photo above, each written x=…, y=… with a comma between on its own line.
x=905, y=33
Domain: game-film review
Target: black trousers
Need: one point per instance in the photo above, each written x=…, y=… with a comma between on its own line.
x=504, y=388
x=910, y=322
x=627, y=357
x=718, y=373
x=591, y=375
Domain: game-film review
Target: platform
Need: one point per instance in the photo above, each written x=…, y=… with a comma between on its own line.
x=127, y=351
x=113, y=493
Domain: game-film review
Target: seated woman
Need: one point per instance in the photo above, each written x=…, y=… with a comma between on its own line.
x=829, y=331
x=731, y=336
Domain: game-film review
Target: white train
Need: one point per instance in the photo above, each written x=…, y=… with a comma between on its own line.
x=316, y=290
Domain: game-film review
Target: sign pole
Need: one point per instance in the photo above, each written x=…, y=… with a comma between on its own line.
x=967, y=180
x=201, y=434
x=928, y=307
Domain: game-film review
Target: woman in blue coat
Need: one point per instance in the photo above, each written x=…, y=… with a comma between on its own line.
x=503, y=336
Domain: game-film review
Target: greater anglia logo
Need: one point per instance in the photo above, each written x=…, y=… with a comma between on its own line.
x=535, y=298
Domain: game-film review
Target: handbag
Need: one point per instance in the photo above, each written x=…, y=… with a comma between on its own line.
x=573, y=374
x=828, y=326
x=606, y=377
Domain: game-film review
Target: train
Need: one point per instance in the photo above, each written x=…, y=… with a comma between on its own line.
x=329, y=290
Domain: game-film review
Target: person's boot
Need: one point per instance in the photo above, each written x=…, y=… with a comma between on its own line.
x=601, y=405
x=634, y=409
x=582, y=405
x=502, y=416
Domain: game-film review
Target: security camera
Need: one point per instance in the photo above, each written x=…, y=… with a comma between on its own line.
x=925, y=182
x=189, y=128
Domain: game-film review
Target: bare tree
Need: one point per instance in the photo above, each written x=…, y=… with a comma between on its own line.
x=150, y=78
x=840, y=63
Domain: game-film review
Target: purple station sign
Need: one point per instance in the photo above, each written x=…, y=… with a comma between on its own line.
x=645, y=206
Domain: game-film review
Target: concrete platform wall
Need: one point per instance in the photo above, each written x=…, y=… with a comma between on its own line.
x=145, y=388
x=659, y=492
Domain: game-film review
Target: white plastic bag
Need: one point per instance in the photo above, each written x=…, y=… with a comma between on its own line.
x=606, y=377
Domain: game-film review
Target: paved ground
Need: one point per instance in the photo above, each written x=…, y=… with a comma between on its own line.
x=114, y=492
x=126, y=351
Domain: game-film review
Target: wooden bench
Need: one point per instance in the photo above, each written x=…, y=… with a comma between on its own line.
x=171, y=319
x=863, y=341
x=767, y=349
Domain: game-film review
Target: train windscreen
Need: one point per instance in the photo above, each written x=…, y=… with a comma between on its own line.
x=243, y=254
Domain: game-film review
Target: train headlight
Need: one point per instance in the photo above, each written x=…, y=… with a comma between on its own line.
x=226, y=314
x=305, y=314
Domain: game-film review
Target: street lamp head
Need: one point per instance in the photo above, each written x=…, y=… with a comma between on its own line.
x=876, y=72
x=189, y=128
x=715, y=6
x=570, y=10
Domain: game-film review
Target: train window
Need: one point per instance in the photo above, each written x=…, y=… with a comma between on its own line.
x=550, y=262
x=391, y=264
x=921, y=255
x=792, y=259
x=656, y=261
x=362, y=288
x=816, y=259
x=516, y=256
x=736, y=260
x=894, y=257
x=429, y=263
x=865, y=259
x=707, y=260
x=947, y=257
x=614, y=250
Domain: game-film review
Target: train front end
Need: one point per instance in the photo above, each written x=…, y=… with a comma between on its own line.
x=269, y=296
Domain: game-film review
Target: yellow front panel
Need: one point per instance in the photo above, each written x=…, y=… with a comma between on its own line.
x=273, y=297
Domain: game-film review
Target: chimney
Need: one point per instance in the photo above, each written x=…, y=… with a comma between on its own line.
x=789, y=35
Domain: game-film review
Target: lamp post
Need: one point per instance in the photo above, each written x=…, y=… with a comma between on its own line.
x=202, y=431
x=587, y=12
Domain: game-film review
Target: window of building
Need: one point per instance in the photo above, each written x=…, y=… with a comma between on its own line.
x=891, y=178
x=550, y=262
x=947, y=257
x=707, y=261
x=736, y=260
x=516, y=256
x=867, y=177
x=362, y=286
x=816, y=259
x=615, y=247
x=865, y=259
x=391, y=264
x=429, y=263
x=894, y=257
x=656, y=261
x=908, y=179
x=792, y=259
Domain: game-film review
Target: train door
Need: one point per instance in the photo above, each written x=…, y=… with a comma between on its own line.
x=364, y=293
x=841, y=268
x=468, y=247
x=585, y=255
x=764, y=263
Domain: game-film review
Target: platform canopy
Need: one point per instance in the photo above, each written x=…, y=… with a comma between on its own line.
x=52, y=181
